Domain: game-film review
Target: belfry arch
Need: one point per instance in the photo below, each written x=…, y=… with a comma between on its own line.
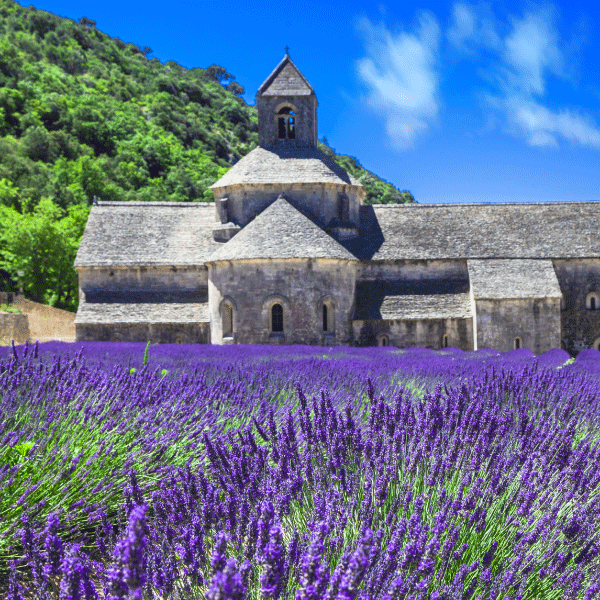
x=286, y=122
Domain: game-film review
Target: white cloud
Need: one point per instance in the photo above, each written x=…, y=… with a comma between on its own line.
x=399, y=71
x=542, y=126
x=530, y=50
x=472, y=26
x=529, y=53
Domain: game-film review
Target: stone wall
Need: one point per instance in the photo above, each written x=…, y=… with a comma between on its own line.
x=142, y=278
x=536, y=321
x=300, y=285
x=47, y=323
x=306, y=119
x=580, y=326
x=412, y=270
x=13, y=326
x=164, y=333
x=320, y=200
x=426, y=333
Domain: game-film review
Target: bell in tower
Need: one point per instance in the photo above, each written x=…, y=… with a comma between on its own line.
x=287, y=108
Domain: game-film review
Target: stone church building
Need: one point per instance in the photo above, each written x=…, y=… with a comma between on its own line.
x=289, y=254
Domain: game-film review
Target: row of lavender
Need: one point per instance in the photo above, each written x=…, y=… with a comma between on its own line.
x=305, y=473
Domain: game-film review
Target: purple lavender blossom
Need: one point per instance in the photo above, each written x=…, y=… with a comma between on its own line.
x=15, y=589
x=314, y=575
x=272, y=564
x=76, y=583
x=53, y=546
x=357, y=566
x=128, y=570
x=227, y=584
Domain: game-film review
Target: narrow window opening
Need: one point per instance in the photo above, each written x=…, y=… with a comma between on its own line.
x=445, y=341
x=277, y=318
x=325, y=322
x=286, y=123
x=592, y=301
x=517, y=343
x=344, y=208
x=227, y=320
x=383, y=340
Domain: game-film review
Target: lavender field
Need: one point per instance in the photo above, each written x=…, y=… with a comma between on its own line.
x=254, y=472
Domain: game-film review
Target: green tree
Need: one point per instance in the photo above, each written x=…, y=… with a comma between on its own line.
x=36, y=144
x=43, y=245
x=9, y=193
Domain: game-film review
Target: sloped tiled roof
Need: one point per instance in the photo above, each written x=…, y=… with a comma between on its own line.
x=412, y=300
x=446, y=231
x=98, y=313
x=281, y=231
x=285, y=164
x=514, y=278
x=147, y=233
x=285, y=80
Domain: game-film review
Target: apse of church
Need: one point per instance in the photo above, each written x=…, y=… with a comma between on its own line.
x=289, y=254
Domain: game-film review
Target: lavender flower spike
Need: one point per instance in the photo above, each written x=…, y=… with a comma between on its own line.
x=128, y=570
x=76, y=583
x=227, y=584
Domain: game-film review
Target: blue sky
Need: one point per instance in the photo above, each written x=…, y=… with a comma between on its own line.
x=456, y=102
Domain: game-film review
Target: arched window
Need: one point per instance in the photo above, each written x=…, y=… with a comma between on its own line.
x=518, y=343
x=277, y=318
x=383, y=340
x=328, y=315
x=592, y=301
x=445, y=340
x=227, y=320
x=181, y=338
x=286, y=123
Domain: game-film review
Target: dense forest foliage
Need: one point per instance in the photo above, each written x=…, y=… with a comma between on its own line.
x=82, y=115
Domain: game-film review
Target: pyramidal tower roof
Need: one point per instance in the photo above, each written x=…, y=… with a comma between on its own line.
x=286, y=80
x=281, y=231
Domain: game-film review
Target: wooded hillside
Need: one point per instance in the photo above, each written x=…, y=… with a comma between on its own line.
x=82, y=115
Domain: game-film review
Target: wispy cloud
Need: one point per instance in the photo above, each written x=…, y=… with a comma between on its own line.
x=471, y=29
x=400, y=72
x=529, y=53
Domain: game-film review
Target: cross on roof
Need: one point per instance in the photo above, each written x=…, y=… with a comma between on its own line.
x=287, y=50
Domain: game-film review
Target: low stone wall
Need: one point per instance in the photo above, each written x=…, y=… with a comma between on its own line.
x=13, y=326
x=47, y=323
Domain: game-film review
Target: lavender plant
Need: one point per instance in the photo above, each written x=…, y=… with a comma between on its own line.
x=297, y=473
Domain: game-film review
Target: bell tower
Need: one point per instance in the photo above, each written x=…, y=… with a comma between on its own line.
x=287, y=108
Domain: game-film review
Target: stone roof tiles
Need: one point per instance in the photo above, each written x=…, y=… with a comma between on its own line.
x=285, y=80
x=279, y=232
x=111, y=312
x=285, y=164
x=516, y=278
x=147, y=233
x=412, y=300
x=448, y=231
x=180, y=233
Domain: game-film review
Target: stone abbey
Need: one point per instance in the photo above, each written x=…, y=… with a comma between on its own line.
x=288, y=254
